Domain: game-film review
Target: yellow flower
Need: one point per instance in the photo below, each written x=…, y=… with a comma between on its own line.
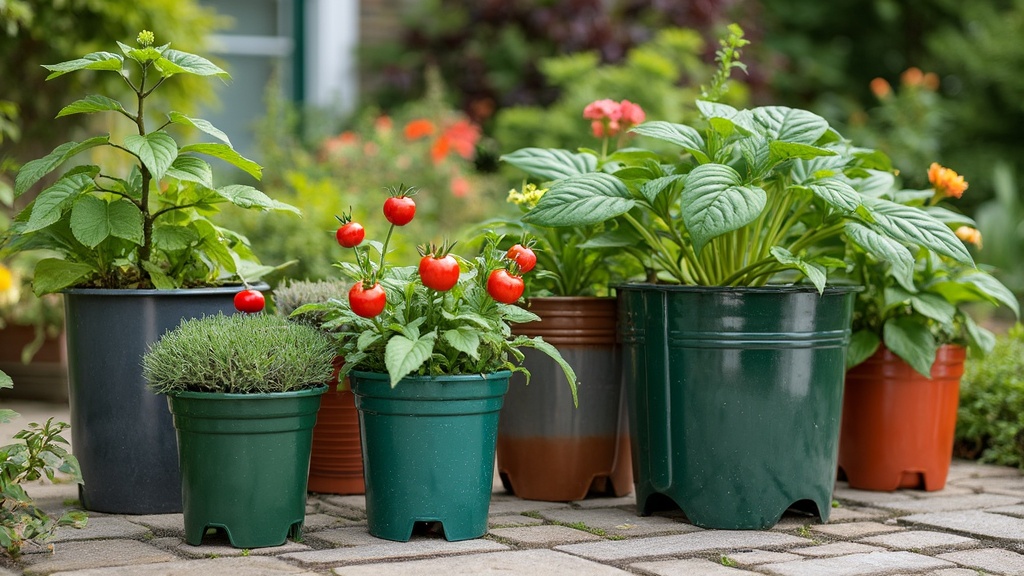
x=945, y=181
x=6, y=278
x=969, y=235
x=528, y=197
x=146, y=38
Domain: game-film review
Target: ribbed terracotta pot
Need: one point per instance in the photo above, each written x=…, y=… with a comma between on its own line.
x=897, y=428
x=336, y=462
x=547, y=449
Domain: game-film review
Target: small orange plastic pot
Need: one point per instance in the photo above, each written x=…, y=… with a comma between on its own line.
x=336, y=462
x=897, y=428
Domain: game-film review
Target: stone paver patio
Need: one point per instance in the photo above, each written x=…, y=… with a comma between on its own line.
x=975, y=526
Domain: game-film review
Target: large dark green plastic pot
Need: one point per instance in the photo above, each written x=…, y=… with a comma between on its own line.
x=735, y=398
x=244, y=462
x=428, y=451
x=124, y=439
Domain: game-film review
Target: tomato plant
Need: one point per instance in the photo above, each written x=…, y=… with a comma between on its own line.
x=249, y=301
x=367, y=302
x=504, y=287
x=350, y=234
x=523, y=256
x=400, y=208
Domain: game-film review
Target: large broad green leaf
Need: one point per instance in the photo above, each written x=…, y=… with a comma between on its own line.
x=653, y=188
x=227, y=154
x=6, y=382
x=552, y=352
x=403, y=356
x=679, y=134
x=464, y=339
x=249, y=197
x=756, y=152
x=94, y=220
x=874, y=183
x=934, y=306
x=814, y=272
x=551, y=164
x=837, y=194
x=713, y=203
x=142, y=55
x=915, y=226
x=174, y=237
x=987, y=285
x=53, y=274
x=191, y=169
x=156, y=150
x=912, y=341
x=885, y=249
x=34, y=170
x=863, y=345
x=581, y=200
x=93, y=61
x=980, y=340
x=178, y=62
x=52, y=202
x=950, y=218
x=199, y=123
x=90, y=104
x=781, y=150
x=789, y=124
x=161, y=281
x=725, y=119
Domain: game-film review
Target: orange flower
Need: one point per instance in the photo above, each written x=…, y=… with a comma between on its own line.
x=931, y=81
x=880, y=88
x=439, y=149
x=969, y=235
x=382, y=123
x=945, y=181
x=418, y=129
x=912, y=76
x=463, y=136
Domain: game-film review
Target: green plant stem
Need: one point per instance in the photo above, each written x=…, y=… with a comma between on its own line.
x=384, y=250
x=147, y=220
x=817, y=235
x=659, y=250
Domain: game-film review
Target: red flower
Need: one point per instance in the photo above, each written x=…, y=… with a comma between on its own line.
x=602, y=110
x=439, y=149
x=631, y=114
x=463, y=136
x=418, y=129
x=460, y=187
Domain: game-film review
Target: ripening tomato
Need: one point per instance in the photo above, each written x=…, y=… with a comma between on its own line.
x=523, y=256
x=249, y=301
x=439, y=273
x=504, y=287
x=399, y=210
x=367, y=302
x=350, y=234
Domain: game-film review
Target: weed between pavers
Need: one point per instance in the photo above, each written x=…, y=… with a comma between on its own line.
x=726, y=561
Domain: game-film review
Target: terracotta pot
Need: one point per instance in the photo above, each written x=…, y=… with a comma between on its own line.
x=45, y=378
x=897, y=429
x=336, y=462
x=547, y=449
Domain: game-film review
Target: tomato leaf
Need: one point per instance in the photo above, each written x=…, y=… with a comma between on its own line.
x=464, y=339
x=404, y=356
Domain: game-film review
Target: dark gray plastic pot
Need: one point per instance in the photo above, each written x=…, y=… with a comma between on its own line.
x=123, y=434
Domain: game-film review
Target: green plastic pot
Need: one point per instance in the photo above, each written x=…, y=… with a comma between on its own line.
x=735, y=399
x=244, y=461
x=428, y=451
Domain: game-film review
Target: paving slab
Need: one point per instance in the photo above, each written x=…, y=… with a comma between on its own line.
x=755, y=557
x=834, y=549
x=961, y=469
x=543, y=536
x=854, y=529
x=94, y=554
x=853, y=513
x=994, y=560
x=954, y=572
x=104, y=527
x=628, y=500
x=1015, y=510
x=509, y=520
x=1012, y=486
x=652, y=547
x=393, y=550
x=540, y=562
x=346, y=536
x=316, y=521
x=919, y=539
x=160, y=524
x=973, y=522
x=252, y=566
x=867, y=497
x=617, y=522
x=518, y=506
x=870, y=564
x=220, y=546
x=951, y=503
x=691, y=567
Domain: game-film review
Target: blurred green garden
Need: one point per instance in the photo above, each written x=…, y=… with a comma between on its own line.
x=461, y=82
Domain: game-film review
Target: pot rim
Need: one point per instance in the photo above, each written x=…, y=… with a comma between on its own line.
x=315, y=391
x=769, y=289
x=499, y=375
x=224, y=289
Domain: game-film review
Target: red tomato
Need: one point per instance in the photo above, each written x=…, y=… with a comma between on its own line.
x=523, y=256
x=249, y=301
x=439, y=273
x=399, y=210
x=504, y=287
x=368, y=302
x=350, y=234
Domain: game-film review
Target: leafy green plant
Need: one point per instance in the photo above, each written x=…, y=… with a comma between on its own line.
x=294, y=294
x=239, y=354
x=149, y=227
x=39, y=453
x=990, y=420
x=914, y=301
x=396, y=324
